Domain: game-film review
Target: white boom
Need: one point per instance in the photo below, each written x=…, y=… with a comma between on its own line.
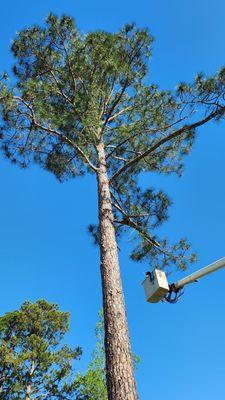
x=200, y=273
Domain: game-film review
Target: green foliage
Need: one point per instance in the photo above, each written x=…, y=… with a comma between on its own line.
x=74, y=91
x=92, y=385
x=32, y=362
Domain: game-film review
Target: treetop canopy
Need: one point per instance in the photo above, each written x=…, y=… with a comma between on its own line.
x=72, y=91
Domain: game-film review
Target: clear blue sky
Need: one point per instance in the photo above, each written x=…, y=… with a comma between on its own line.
x=45, y=251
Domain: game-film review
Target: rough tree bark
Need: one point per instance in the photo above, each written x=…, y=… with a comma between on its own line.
x=119, y=365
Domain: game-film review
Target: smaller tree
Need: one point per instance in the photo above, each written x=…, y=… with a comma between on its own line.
x=92, y=385
x=33, y=365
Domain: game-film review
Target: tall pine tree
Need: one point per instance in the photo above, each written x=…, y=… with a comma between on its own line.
x=82, y=104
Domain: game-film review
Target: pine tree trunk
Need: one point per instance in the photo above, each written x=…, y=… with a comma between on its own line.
x=119, y=364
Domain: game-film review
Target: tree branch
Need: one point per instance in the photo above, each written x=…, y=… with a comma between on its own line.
x=70, y=142
x=59, y=88
x=116, y=102
x=129, y=222
x=167, y=138
x=116, y=147
x=54, y=132
x=119, y=113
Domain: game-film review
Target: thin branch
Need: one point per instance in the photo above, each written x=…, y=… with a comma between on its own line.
x=68, y=61
x=60, y=92
x=116, y=101
x=155, y=130
x=59, y=88
x=129, y=222
x=54, y=132
x=119, y=113
x=120, y=158
x=121, y=144
x=167, y=138
x=70, y=142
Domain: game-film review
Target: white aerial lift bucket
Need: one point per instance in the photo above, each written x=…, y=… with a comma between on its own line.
x=155, y=285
